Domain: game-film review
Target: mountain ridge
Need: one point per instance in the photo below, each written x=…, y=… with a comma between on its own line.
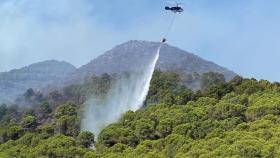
x=126, y=57
x=37, y=76
x=131, y=55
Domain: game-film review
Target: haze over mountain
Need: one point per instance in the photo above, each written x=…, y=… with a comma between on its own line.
x=36, y=76
x=122, y=58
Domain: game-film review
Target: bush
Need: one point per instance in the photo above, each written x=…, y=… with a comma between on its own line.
x=85, y=139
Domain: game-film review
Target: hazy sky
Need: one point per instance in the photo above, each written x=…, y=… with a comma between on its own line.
x=242, y=35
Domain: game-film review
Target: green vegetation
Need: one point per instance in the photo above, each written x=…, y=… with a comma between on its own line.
x=239, y=118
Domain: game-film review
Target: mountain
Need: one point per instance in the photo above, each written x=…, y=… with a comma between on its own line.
x=36, y=76
x=134, y=54
x=130, y=56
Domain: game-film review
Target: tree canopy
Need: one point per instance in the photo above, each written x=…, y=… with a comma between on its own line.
x=239, y=118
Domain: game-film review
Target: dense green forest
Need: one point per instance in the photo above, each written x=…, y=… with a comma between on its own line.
x=239, y=118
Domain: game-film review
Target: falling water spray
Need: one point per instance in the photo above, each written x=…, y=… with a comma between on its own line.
x=127, y=93
x=147, y=80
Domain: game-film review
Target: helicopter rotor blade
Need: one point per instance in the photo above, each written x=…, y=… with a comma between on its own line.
x=173, y=3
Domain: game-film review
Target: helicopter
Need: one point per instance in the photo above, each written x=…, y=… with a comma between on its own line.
x=174, y=7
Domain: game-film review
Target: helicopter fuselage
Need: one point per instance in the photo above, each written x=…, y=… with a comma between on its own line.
x=175, y=9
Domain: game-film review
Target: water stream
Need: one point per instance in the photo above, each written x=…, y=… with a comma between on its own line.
x=128, y=93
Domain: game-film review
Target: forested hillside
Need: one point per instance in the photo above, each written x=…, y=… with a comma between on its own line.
x=37, y=76
x=128, y=57
x=133, y=55
x=239, y=118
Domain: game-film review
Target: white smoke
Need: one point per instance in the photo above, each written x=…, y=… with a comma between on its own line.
x=128, y=93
